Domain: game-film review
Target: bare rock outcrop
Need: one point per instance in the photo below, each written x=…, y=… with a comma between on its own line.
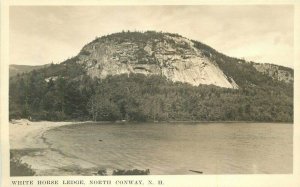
x=276, y=72
x=168, y=55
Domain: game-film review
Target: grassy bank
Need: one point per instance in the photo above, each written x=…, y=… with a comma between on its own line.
x=17, y=167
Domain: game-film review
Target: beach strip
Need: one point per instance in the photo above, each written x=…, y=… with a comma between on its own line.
x=27, y=143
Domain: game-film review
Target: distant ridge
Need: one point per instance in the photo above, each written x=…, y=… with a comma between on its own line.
x=19, y=69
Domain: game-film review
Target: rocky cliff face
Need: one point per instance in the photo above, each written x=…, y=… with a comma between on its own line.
x=168, y=55
x=276, y=72
x=172, y=56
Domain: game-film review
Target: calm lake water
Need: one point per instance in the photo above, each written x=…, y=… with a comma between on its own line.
x=176, y=148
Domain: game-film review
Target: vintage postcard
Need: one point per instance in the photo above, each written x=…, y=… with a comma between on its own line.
x=180, y=93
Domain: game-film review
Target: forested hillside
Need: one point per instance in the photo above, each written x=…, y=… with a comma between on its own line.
x=140, y=98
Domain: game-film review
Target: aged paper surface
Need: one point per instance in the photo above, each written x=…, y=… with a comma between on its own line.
x=157, y=180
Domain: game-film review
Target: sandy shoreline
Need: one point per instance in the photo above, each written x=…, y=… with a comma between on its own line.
x=25, y=134
x=26, y=141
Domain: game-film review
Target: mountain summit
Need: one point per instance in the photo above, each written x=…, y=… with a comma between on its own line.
x=169, y=55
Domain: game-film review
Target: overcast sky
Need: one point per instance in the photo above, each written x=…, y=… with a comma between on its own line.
x=40, y=35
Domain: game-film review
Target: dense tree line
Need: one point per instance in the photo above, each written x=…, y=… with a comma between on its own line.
x=137, y=97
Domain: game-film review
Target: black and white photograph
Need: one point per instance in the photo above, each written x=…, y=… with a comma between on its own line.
x=192, y=90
